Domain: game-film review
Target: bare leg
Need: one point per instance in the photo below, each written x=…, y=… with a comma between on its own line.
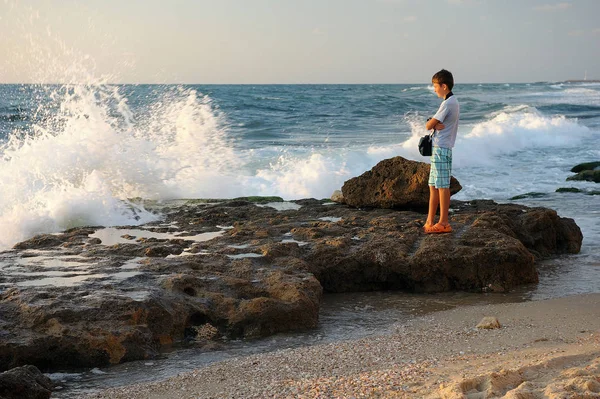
x=434, y=199
x=444, y=198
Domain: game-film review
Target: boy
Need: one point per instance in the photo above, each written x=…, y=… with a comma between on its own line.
x=445, y=122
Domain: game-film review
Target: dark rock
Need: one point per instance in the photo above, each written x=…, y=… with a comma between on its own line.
x=392, y=183
x=528, y=195
x=585, y=166
x=568, y=190
x=586, y=175
x=577, y=190
x=39, y=242
x=544, y=233
x=259, y=200
x=162, y=251
x=25, y=382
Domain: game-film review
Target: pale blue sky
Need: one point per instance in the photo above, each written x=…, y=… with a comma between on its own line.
x=299, y=41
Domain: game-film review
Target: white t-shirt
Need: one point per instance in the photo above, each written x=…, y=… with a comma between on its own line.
x=448, y=114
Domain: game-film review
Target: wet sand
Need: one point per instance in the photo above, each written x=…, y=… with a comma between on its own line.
x=547, y=348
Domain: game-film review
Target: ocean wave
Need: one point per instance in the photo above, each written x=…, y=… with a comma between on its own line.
x=582, y=91
x=80, y=166
x=94, y=149
x=520, y=129
x=415, y=88
x=579, y=111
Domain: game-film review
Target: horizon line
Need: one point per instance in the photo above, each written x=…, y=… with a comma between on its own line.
x=295, y=84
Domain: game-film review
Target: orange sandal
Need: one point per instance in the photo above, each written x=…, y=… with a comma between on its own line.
x=438, y=229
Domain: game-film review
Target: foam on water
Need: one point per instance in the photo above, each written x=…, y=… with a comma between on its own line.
x=81, y=166
x=480, y=148
x=88, y=152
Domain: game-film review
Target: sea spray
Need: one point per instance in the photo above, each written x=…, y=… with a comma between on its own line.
x=193, y=154
x=62, y=172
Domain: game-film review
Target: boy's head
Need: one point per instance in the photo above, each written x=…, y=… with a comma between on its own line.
x=443, y=82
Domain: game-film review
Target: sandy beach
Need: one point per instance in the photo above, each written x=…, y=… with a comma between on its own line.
x=544, y=349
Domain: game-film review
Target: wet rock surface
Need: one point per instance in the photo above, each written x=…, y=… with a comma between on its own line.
x=586, y=166
x=93, y=296
x=586, y=175
x=589, y=171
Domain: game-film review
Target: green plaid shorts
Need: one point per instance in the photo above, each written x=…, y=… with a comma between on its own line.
x=441, y=167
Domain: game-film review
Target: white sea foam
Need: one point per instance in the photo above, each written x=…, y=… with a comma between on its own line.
x=482, y=145
x=80, y=164
x=510, y=132
x=81, y=168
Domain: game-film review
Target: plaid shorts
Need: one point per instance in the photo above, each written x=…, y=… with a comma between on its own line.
x=441, y=167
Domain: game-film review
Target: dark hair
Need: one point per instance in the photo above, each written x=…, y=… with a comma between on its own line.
x=444, y=77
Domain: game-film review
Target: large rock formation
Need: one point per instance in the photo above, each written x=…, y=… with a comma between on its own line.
x=493, y=248
x=78, y=299
x=392, y=183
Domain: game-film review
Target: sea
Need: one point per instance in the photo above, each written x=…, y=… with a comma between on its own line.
x=90, y=154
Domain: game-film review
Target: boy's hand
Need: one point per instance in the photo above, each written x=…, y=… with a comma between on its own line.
x=439, y=126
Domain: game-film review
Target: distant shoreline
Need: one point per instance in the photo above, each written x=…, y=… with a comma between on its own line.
x=581, y=81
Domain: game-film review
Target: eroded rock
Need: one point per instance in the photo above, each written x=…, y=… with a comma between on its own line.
x=392, y=183
x=263, y=273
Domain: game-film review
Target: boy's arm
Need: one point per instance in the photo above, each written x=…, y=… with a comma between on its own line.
x=433, y=123
x=440, y=115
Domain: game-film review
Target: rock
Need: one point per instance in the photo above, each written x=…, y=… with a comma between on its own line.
x=337, y=196
x=39, y=242
x=25, y=382
x=568, y=190
x=206, y=331
x=117, y=304
x=393, y=183
x=528, y=195
x=544, y=233
x=77, y=235
x=577, y=190
x=585, y=166
x=162, y=251
x=587, y=175
x=489, y=323
x=405, y=259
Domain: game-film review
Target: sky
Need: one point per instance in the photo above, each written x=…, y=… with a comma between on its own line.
x=297, y=41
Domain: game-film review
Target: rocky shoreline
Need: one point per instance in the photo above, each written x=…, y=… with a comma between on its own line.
x=264, y=273
x=94, y=296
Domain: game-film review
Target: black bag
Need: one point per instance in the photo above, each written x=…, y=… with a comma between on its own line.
x=425, y=145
